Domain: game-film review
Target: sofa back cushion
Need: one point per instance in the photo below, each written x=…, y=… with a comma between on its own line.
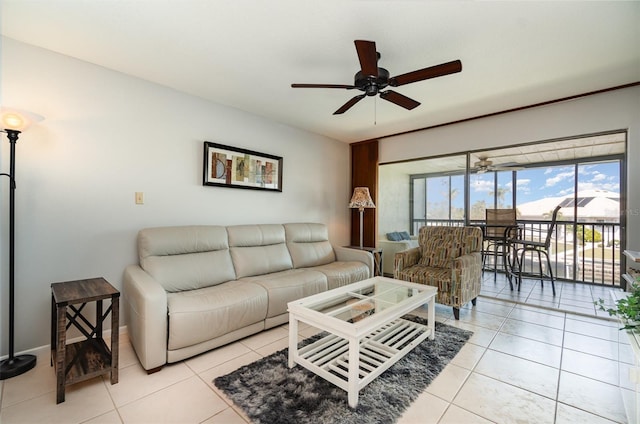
x=258, y=249
x=186, y=258
x=441, y=245
x=309, y=244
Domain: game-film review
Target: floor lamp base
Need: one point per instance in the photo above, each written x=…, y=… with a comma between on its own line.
x=16, y=366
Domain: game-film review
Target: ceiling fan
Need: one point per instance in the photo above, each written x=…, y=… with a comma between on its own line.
x=484, y=165
x=371, y=79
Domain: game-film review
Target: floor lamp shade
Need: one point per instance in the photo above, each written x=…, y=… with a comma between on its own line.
x=361, y=199
x=12, y=123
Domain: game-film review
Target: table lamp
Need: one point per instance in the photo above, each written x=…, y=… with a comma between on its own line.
x=361, y=199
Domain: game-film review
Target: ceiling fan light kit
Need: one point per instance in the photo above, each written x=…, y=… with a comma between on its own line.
x=371, y=79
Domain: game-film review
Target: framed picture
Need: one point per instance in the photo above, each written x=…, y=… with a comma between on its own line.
x=227, y=166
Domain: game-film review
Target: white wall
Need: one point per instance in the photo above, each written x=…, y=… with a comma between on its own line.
x=393, y=201
x=106, y=136
x=608, y=111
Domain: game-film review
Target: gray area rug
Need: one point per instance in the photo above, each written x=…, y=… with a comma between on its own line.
x=271, y=393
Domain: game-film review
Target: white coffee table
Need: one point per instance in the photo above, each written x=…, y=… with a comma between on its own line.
x=366, y=333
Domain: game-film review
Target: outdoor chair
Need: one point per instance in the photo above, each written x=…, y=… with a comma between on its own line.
x=500, y=226
x=539, y=247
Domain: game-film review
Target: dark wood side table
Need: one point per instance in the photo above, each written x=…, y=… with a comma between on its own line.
x=377, y=258
x=90, y=357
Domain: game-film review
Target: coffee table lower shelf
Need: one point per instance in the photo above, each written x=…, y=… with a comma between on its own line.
x=329, y=357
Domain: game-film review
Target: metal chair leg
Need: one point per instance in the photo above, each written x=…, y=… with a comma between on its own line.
x=540, y=268
x=520, y=265
x=553, y=286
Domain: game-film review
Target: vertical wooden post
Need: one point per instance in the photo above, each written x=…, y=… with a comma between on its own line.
x=364, y=173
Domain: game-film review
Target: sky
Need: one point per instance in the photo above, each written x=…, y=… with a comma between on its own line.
x=558, y=181
x=535, y=183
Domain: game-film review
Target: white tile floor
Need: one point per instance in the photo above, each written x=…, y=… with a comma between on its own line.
x=523, y=364
x=570, y=297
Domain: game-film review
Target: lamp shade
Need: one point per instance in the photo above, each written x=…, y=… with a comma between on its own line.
x=16, y=119
x=361, y=198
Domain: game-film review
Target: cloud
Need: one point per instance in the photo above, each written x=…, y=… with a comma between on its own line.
x=522, y=185
x=565, y=192
x=614, y=187
x=597, y=176
x=550, y=169
x=482, y=186
x=561, y=176
x=584, y=170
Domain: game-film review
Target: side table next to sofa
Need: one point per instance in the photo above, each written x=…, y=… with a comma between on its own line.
x=90, y=357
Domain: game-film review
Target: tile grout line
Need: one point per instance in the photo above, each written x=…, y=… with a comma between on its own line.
x=564, y=330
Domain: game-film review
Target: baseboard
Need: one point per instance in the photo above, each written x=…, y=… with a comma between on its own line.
x=43, y=350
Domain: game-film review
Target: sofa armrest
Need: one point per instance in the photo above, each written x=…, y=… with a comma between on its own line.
x=405, y=259
x=146, y=304
x=355, y=255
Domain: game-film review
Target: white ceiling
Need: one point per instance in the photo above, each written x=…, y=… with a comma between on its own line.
x=246, y=53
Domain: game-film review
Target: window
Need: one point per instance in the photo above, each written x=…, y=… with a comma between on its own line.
x=436, y=200
x=582, y=175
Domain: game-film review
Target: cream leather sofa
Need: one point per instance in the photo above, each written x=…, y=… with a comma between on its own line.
x=200, y=287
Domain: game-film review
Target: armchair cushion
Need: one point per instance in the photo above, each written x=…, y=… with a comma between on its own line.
x=437, y=253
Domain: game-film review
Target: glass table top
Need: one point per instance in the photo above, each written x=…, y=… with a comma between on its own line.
x=356, y=304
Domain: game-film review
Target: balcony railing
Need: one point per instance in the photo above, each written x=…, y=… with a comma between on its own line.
x=586, y=252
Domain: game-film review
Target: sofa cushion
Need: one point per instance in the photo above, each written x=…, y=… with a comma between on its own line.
x=163, y=241
x=196, y=316
x=186, y=258
x=342, y=273
x=258, y=249
x=309, y=244
x=287, y=286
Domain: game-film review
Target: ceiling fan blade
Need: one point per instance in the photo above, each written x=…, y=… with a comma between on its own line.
x=345, y=107
x=507, y=168
x=368, y=57
x=399, y=99
x=348, y=87
x=426, y=73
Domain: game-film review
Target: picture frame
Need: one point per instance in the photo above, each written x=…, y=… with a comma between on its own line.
x=227, y=166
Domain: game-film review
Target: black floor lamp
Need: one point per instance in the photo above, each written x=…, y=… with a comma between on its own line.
x=14, y=365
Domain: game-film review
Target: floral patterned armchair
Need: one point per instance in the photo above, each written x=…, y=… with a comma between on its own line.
x=449, y=258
